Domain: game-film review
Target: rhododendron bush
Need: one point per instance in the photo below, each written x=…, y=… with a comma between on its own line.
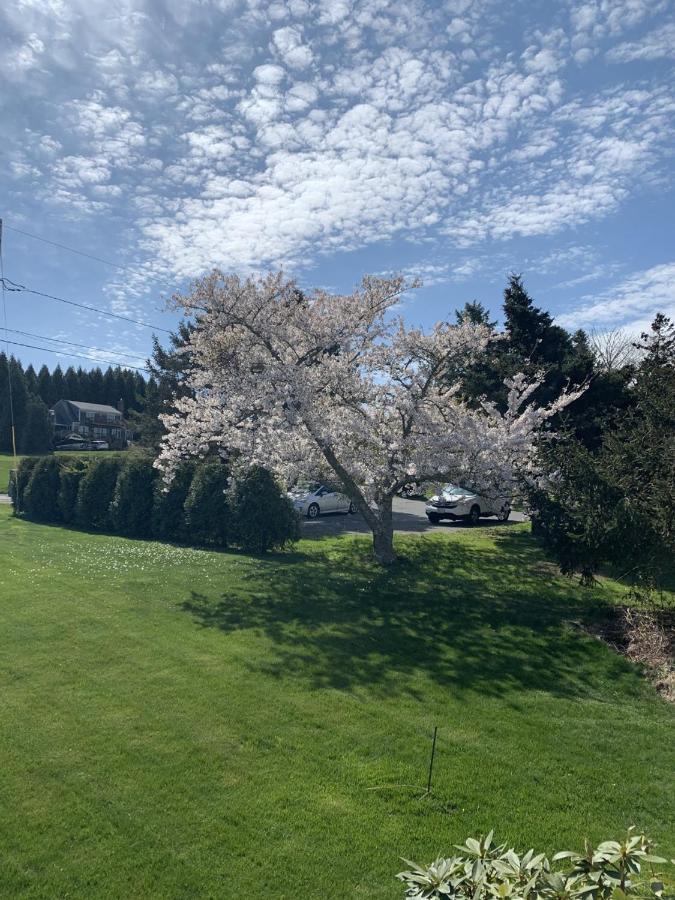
x=295, y=381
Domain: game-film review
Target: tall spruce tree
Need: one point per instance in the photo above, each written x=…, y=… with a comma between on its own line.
x=531, y=342
x=31, y=381
x=616, y=503
x=168, y=367
x=71, y=384
x=45, y=389
x=11, y=371
x=35, y=434
x=58, y=384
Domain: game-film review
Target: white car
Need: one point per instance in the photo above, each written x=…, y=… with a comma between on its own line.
x=312, y=499
x=455, y=502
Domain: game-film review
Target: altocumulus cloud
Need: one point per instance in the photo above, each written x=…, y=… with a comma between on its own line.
x=246, y=134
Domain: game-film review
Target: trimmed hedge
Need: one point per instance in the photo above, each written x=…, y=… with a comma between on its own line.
x=19, y=482
x=207, y=512
x=40, y=499
x=96, y=492
x=127, y=496
x=264, y=517
x=131, y=506
x=70, y=477
x=168, y=513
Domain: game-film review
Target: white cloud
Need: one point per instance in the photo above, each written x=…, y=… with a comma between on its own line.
x=244, y=133
x=594, y=22
x=269, y=74
x=289, y=44
x=658, y=44
x=631, y=304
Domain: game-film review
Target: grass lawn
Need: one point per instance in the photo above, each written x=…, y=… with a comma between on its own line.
x=177, y=723
x=6, y=464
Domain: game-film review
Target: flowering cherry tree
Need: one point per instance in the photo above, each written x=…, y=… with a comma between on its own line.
x=294, y=382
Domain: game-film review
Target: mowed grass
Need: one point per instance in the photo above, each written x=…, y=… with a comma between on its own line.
x=180, y=723
x=7, y=463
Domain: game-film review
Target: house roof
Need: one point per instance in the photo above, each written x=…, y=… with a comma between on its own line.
x=94, y=407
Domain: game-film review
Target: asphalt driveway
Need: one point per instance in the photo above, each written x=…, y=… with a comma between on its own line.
x=409, y=518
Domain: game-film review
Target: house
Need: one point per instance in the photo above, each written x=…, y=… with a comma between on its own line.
x=91, y=421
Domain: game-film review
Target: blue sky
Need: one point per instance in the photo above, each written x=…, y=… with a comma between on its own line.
x=455, y=141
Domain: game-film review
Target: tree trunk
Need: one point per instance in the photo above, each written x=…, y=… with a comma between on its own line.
x=383, y=533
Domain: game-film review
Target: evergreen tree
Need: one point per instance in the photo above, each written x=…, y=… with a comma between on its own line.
x=168, y=514
x=72, y=388
x=131, y=506
x=532, y=342
x=207, y=512
x=96, y=492
x=72, y=473
x=617, y=504
x=167, y=368
x=484, y=377
x=40, y=499
x=11, y=371
x=31, y=381
x=127, y=391
x=476, y=314
x=139, y=387
x=58, y=384
x=264, y=518
x=19, y=483
x=95, y=389
x=535, y=343
x=36, y=431
x=83, y=379
x=44, y=387
x=113, y=386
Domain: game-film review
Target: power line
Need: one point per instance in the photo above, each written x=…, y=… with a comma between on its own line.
x=45, y=337
x=107, y=362
x=106, y=262
x=13, y=286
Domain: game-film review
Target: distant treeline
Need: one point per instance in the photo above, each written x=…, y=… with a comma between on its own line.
x=34, y=393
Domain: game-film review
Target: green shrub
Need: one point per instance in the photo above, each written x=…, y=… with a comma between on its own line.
x=19, y=482
x=168, y=513
x=207, y=512
x=96, y=492
x=72, y=474
x=40, y=499
x=481, y=870
x=131, y=506
x=263, y=516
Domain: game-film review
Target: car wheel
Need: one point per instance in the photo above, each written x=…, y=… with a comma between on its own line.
x=504, y=513
x=433, y=519
x=474, y=515
x=313, y=511
x=352, y=508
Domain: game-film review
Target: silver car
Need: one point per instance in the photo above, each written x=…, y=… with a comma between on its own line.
x=455, y=502
x=312, y=499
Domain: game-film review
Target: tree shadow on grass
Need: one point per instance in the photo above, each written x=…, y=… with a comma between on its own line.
x=490, y=620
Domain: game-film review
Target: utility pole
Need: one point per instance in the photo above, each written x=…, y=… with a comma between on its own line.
x=9, y=367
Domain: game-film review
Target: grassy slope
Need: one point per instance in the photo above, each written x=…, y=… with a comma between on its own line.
x=177, y=723
x=6, y=463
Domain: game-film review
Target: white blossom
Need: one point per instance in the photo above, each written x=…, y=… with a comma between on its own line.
x=293, y=381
